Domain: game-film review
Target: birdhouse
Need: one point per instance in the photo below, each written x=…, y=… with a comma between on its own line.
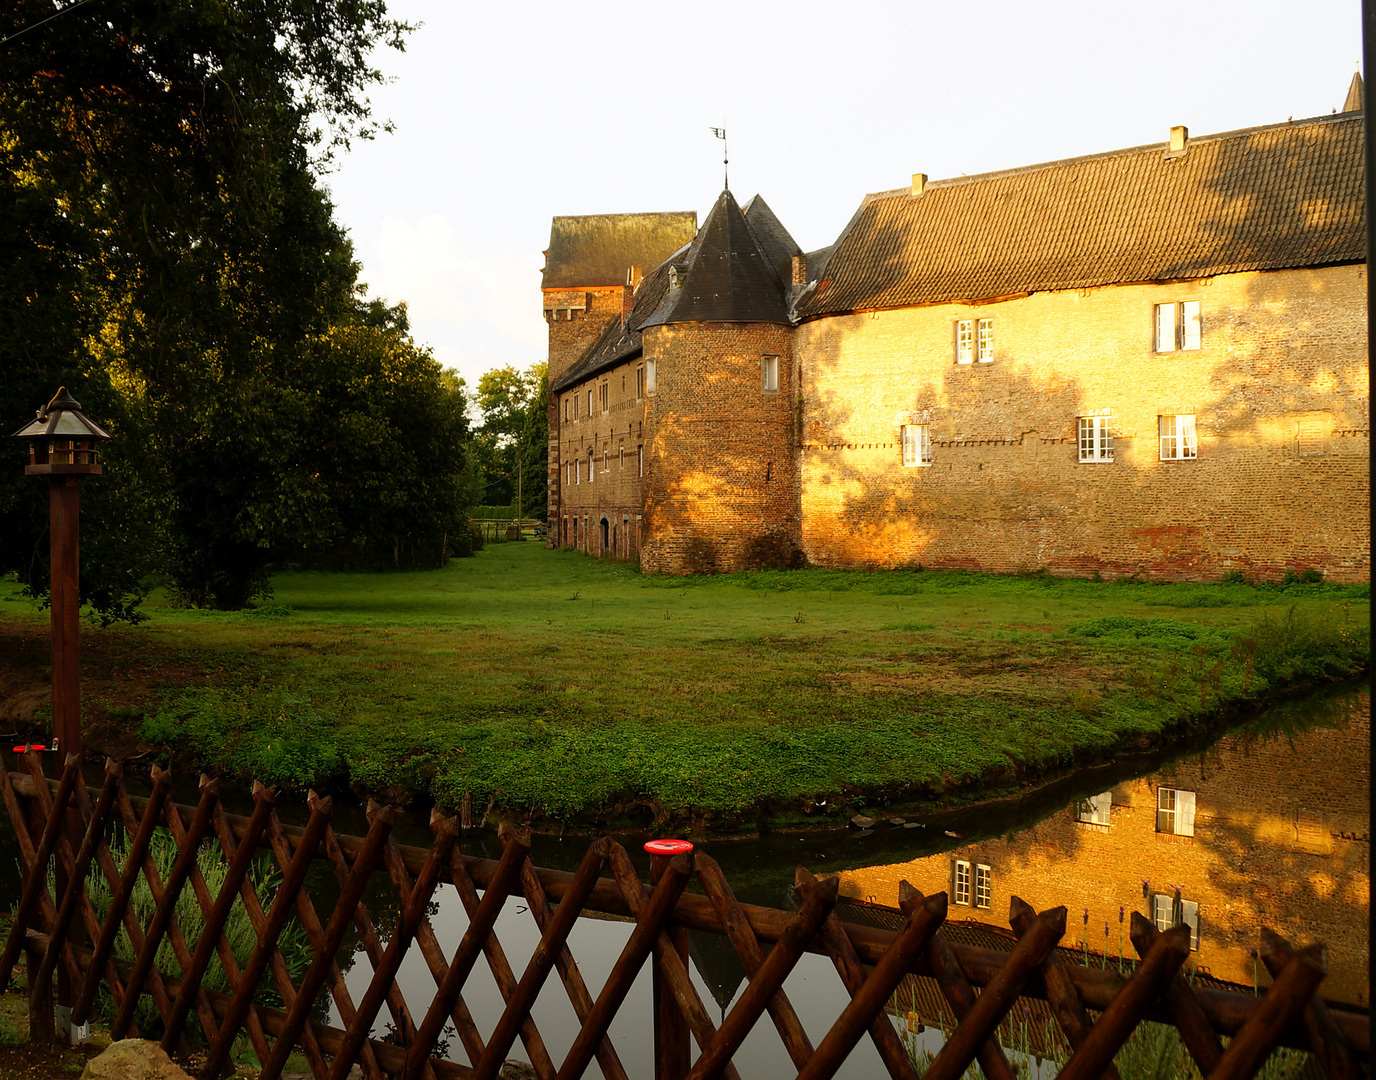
x=62, y=440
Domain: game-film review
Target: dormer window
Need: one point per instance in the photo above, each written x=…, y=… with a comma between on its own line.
x=676, y=276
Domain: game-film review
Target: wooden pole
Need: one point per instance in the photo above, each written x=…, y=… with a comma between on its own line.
x=65, y=602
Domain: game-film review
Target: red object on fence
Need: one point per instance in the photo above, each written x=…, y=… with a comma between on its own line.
x=668, y=847
x=25, y=748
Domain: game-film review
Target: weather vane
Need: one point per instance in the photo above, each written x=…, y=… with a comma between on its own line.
x=720, y=133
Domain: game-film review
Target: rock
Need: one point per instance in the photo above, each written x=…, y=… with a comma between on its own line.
x=862, y=822
x=912, y=825
x=514, y=1069
x=133, y=1059
x=898, y=821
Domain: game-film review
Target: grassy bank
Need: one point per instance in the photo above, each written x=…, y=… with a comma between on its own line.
x=558, y=684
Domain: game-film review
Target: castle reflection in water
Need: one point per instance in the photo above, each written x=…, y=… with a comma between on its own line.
x=1263, y=829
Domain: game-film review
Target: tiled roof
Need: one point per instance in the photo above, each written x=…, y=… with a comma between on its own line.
x=727, y=277
x=597, y=249
x=1268, y=198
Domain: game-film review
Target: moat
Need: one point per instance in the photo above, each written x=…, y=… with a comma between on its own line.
x=1268, y=824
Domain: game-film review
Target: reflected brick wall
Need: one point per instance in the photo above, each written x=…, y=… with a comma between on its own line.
x=1282, y=839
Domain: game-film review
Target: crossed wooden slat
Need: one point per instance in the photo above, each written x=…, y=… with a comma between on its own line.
x=921, y=945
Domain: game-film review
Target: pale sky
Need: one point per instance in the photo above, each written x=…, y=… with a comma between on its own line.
x=509, y=114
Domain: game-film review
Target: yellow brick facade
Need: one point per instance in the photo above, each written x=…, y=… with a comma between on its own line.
x=1283, y=353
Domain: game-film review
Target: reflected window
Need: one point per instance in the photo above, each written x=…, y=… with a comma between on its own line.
x=960, y=883
x=1168, y=910
x=983, y=888
x=1095, y=809
x=1175, y=811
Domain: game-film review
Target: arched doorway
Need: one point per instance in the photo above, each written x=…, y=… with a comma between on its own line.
x=606, y=535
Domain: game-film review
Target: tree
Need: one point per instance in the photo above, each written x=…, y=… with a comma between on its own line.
x=168, y=251
x=513, y=435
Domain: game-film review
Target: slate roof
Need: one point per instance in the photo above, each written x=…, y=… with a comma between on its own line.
x=597, y=249
x=1267, y=198
x=773, y=239
x=736, y=270
x=728, y=276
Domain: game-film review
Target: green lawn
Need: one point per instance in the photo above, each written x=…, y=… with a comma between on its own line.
x=568, y=686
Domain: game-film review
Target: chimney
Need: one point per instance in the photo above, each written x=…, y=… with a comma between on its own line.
x=1180, y=140
x=633, y=276
x=799, y=269
x=919, y=183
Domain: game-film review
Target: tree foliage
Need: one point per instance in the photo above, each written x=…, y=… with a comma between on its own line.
x=166, y=251
x=513, y=437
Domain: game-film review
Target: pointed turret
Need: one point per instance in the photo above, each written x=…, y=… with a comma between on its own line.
x=725, y=276
x=1355, y=94
x=774, y=240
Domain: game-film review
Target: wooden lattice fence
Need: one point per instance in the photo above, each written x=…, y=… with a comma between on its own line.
x=63, y=828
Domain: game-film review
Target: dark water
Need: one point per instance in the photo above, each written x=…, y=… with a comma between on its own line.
x=1266, y=825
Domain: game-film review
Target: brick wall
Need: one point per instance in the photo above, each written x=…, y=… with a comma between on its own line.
x=614, y=437
x=720, y=488
x=575, y=317
x=1282, y=353
x=1282, y=839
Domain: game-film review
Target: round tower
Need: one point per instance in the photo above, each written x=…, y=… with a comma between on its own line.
x=721, y=479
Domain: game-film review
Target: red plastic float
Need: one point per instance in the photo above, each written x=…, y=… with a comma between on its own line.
x=668, y=847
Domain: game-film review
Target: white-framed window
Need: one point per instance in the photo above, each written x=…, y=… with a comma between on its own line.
x=965, y=341
x=567, y=417
x=1177, y=326
x=984, y=340
x=621, y=457
x=960, y=882
x=1096, y=809
x=649, y=375
x=1178, y=439
x=603, y=395
x=984, y=890
x=917, y=444
x=1096, y=440
x=605, y=467
x=640, y=460
x=1175, y=811
x=591, y=466
x=1165, y=914
x=974, y=341
x=577, y=472
x=639, y=381
x=769, y=374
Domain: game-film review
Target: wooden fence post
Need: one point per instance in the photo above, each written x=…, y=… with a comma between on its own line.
x=671, y=1026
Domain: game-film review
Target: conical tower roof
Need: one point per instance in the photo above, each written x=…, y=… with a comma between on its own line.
x=1355, y=94
x=725, y=276
x=778, y=246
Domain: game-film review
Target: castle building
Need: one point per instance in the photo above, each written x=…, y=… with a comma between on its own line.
x=1150, y=361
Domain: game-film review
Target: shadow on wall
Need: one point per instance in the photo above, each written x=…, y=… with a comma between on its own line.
x=1006, y=489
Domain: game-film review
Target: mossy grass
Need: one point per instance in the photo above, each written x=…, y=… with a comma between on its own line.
x=562, y=686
